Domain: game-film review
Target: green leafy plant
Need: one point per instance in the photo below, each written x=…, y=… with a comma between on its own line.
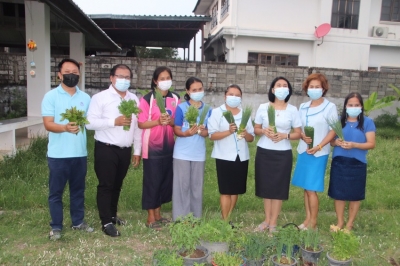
x=397, y=90
x=160, y=102
x=216, y=230
x=336, y=125
x=310, y=239
x=245, y=118
x=203, y=115
x=309, y=131
x=191, y=115
x=271, y=117
x=372, y=103
x=227, y=259
x=345, y=243
x=229, y=116
x=286, y=238
x=76, y=116
x=167, y=257
x=386, y=120
x=257, y=246
x=185, y=234
x=127, y=108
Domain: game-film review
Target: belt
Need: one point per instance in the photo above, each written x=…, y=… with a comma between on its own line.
x=111, y=145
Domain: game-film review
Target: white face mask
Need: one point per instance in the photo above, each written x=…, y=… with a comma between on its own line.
x=164, y=85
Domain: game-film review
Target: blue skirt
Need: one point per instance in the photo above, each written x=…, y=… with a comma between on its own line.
x=348, y=179
x=309, y=173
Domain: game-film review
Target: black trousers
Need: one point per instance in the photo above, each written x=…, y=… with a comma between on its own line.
x=111, y=165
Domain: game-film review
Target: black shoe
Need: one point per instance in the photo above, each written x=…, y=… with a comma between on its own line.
x=118, y=221
x=110, y=230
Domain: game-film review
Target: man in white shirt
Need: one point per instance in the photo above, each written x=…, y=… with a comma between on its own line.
x=113, y=144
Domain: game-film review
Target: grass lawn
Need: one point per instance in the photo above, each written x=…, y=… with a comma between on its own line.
x=24, y=216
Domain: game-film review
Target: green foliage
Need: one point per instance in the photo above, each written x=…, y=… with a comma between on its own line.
x=203, y=114
x=345, y=244
x=216, y=230
x=286, y=236
x=227, y=259
x=257, y=246
x=372, y=103
x=310, y=239
x=397, y=90
x=336, y=125
x=160, y=101
x=309, y=131
x=127, y=108
x=191, y=115
x=77, y=116
x=184, y=233
x=18, y=106
x=167, y=257
x=386, y=120
x=271, y=117
x=245, y=118
x=229, y=116
x=163, y=53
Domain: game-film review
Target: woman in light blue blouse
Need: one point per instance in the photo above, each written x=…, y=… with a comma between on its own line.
x=232, y=155
x=274, y=158
x=349, y=163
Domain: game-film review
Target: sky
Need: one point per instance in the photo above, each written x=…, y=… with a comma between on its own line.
x=144, y=7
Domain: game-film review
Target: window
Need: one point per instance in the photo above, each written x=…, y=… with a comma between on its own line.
x=214, y=16
x=390, y=10
x=224, y=7
x=273, y=59
x=390, y=69
x=345, y=14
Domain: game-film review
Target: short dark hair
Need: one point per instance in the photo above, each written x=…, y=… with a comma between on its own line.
x=271, y=96
x=157, y=73
x=189, y=82
x=233, y=86
x=360, y=117
x=68, y=60
x=123, y=66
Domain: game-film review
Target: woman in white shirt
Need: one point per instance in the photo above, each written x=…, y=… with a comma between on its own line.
x=311, y=163
x=231, y=154
x=274, y=158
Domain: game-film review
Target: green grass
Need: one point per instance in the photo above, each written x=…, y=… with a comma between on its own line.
x=24, y=216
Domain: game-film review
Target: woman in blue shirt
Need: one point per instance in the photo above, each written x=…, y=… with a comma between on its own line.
x=349, y=163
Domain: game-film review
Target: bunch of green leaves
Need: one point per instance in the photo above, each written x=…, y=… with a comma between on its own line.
x=160, y=102
x=372, y=103
x=345, y=244
x=245, y=118
x=310, y=239
x=336, y=125
x=227, y=259
x=127, y=108
x=203, y=114
x=286, y=238
x=76, y=116
x=191, y=115
x=309, y=131
x=229, y=116
x=166, y=257
x=184, y=233
x=256, y=246
x=271, y=117
x=216, y=230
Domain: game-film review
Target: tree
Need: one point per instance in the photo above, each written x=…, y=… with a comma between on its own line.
x=163, y=53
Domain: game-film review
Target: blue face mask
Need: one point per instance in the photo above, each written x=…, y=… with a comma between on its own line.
x=233, y=101
x=353, y=111
x=122, y=84
x=314, y=94
x=281, y=93
x=197, y=96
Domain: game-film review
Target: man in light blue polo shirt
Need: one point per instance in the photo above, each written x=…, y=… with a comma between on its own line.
x=66, y=150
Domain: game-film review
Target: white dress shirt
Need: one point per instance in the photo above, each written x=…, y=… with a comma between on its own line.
x=103, y=110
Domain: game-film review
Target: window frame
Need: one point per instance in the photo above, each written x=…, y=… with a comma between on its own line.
x=345, y=18
x=270, y=59
x=392, y=7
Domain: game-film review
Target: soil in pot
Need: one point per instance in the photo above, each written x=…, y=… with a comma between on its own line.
x=333, y=262
x=310, y=256
x=284, y=261
x=199, y=256
x=213, y=247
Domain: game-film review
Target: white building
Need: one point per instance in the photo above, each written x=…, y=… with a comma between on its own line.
x=365, y=34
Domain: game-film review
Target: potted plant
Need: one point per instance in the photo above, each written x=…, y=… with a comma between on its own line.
x=310, y=248
x=215, y=235
x=286, y=239
x=166, y=257
x=255, y=248
x=345, y=246
x=227, y=259
x=185, y=236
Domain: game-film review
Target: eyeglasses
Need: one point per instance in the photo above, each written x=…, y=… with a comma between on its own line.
x=122, y=77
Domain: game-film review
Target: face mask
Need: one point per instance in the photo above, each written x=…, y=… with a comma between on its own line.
x=233, y=101
x=314, y=94
x=281, y=93
x=197, y=96
x=164, y=85
x=122, y=84
x=353, y=111
x=70, y=80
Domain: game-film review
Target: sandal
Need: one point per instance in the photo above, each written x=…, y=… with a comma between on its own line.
x=154, y=225
x=262, y=227
x=163, y=221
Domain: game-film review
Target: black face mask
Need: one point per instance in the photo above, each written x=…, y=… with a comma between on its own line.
x=70, y=80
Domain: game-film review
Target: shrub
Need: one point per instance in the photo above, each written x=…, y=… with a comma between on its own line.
x=386, y=120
